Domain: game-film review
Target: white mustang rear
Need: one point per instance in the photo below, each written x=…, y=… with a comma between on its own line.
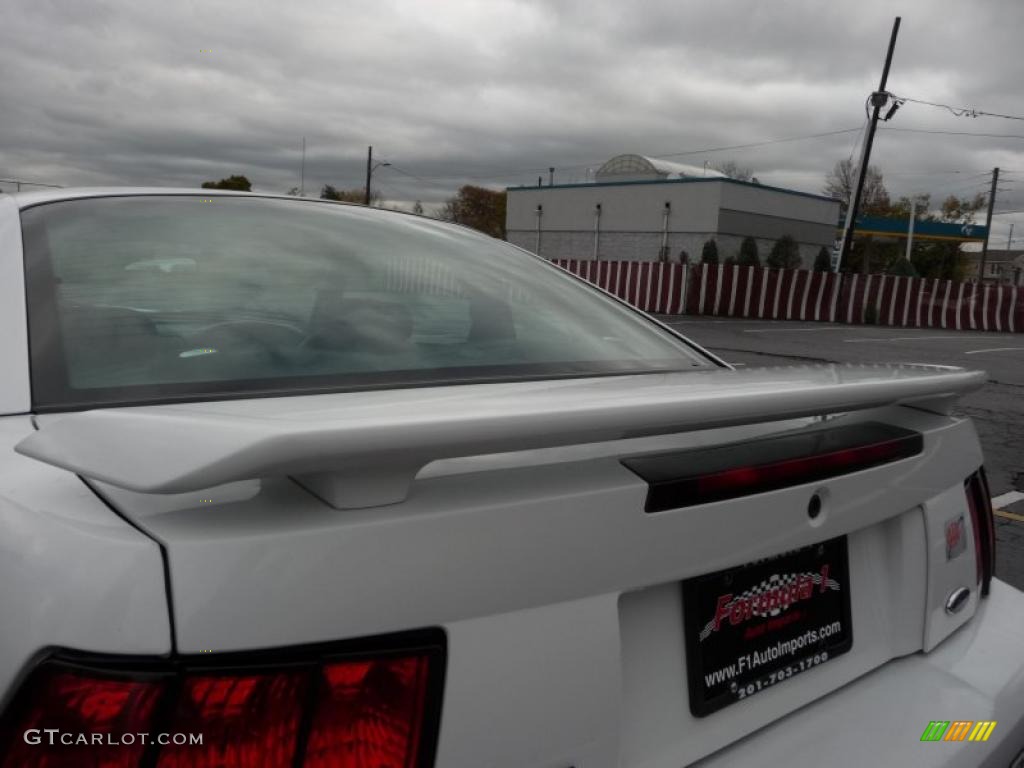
x=347, y=487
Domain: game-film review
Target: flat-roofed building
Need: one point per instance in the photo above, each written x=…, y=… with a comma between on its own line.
x=646, y=209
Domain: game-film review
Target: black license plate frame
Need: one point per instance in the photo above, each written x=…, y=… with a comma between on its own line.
x=750, y=627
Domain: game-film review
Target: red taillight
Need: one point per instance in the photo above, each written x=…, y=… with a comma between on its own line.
x=247, y=720
x=979, y=502
x=687, y=478
x=75, y=702
x=369, y=714
x=361, y=711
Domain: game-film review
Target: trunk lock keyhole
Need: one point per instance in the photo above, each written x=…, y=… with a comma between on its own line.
x=814, y=507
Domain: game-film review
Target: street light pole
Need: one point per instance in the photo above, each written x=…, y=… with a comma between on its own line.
x=910, y=228
x=369, y=178
x=369, y=172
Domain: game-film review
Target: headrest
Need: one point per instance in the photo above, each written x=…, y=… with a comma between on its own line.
x=341, y=321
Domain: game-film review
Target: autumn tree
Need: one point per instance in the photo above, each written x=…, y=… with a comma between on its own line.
x=237, y=183
x=477, y=207
x=943, y=258
x=330, y=192
x=930, y=258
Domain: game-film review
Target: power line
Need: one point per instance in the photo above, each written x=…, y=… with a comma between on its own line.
x=936, y=173
x=955, y=133
x=406, y=173
x=504, y=172
x=860, y=134
x=759, y=143
x=957, y=111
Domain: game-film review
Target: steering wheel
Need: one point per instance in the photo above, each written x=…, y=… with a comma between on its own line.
x=247, y=336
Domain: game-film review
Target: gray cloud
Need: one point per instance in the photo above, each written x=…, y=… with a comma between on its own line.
x=495, y=92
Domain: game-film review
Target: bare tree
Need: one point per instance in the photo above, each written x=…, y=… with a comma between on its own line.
x=734, y=170
x=842, y=179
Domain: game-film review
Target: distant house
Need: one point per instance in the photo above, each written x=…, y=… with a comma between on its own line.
x=1000, y=266
x=646, y=209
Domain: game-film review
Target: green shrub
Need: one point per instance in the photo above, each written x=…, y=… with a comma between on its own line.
x=903, y=268
x=748, y=253
x=823, y=261
x=785, y=254
x=709, y=254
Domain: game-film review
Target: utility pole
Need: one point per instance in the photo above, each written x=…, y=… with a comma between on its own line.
x=1009, y=240
x=369, y=170
x=878, y=100
x=988, y=225
x=302, y=173
x=551, y=177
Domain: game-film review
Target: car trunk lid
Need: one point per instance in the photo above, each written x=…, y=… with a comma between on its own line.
x=523, y=532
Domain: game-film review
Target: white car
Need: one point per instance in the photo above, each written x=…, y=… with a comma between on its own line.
x=359, y=488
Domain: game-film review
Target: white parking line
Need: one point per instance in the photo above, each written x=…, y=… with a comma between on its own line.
x=1010, y=497
x=994, y=349
x=790, y=330
x=687, y=321
x=947, y=337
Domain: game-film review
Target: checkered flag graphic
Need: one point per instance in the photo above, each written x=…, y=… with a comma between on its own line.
x=774, y=582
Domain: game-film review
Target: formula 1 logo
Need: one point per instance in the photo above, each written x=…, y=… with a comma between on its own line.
x=769, y=598
x=958, y=730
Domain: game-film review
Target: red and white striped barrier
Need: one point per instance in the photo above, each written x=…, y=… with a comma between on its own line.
x=775, y=294
x=932, y=303
x=798, y=294
x=650, y=286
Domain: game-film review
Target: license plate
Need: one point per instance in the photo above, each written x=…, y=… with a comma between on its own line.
x=754, y=626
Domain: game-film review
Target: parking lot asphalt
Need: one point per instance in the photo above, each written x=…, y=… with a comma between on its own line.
x=997, y=409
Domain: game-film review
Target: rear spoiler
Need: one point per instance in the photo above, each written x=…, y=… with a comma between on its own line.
x=364, y=449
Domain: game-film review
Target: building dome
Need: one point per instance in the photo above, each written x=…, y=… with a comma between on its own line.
x=642, y=168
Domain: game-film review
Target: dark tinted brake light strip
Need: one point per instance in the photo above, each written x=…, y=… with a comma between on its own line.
x=687, y=478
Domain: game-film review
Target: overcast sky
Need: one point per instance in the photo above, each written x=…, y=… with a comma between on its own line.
x=495, y=92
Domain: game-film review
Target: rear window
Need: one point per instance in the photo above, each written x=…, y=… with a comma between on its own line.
x=159, y=298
